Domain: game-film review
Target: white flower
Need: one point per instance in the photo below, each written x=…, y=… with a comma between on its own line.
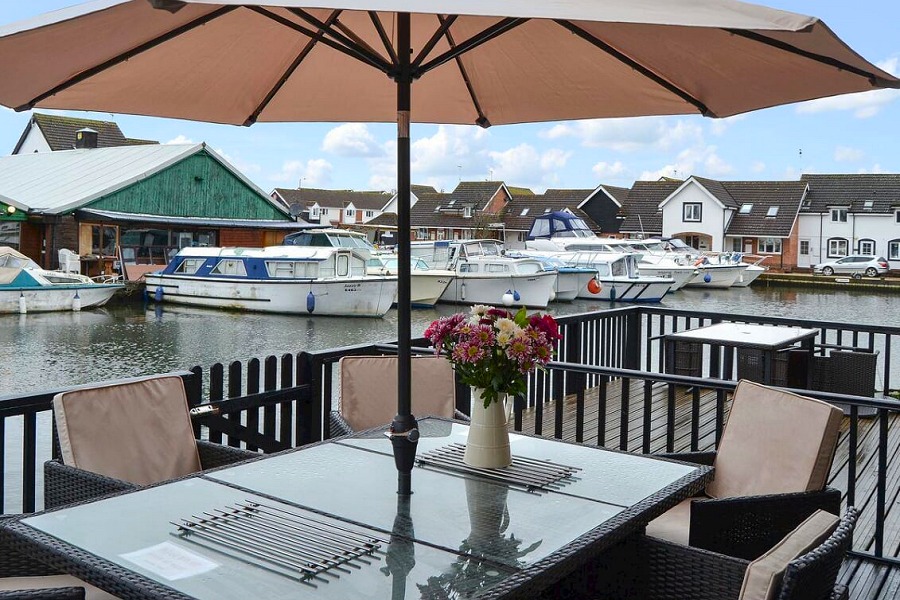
x=507, y=330
x=479, y=310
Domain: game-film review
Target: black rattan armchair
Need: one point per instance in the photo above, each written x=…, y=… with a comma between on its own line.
x=14, y=564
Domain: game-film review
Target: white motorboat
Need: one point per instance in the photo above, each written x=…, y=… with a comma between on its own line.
x=619, y=276
x=483, y=275
x=277, y=279
x=330, y=237
x=710, y=273
x=426, y=284
x=26, y=287
x=749, y=274
x=569, y=280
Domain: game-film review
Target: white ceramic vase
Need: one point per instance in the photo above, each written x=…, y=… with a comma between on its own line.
x=487, y=446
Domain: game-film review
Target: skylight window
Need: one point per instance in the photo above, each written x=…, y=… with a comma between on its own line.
x=546, y=210
x=524, y=212
x=745, y=209
x=868, y=204
x=772, y=212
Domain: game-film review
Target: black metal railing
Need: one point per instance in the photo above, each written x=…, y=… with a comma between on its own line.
x=615, y=358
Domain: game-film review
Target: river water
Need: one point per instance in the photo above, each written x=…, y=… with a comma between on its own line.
x=52, y=350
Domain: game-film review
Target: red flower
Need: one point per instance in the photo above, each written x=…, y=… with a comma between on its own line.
x=546, y=324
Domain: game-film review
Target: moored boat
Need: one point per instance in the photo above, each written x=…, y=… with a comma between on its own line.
x=276, y=279
x=619, y=277
x=426, y=284
x=26, y=287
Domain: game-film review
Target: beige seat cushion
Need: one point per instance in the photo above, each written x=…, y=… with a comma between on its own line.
x=673, y=525
x=53, y=581
x=762, y=580
x=369, y=389
x=138, y=431
x=774, y=442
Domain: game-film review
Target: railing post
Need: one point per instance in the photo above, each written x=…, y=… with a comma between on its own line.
x=311, y=427
x=572, y=342
x=632, y=355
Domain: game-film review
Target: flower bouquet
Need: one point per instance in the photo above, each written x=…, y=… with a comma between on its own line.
x=493, y=350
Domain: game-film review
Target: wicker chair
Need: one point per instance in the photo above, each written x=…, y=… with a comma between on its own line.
x=35, y=581
x=368, y=387
x=121, y=450
x=747, y=509
x=673, y=571
x=846, y=372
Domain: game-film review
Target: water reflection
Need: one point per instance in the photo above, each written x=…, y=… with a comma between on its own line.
x=41, y=351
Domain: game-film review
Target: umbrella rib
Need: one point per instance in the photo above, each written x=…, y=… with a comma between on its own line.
x=288, y=72
x=446, y=22
x=874, y=79
x=383, y=35
x=473, y=42
x=349, y=40
x=350, y=50
x=88, y=73
x=482, y=119
x=621, y=57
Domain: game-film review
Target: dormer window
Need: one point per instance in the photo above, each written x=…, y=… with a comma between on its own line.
x=772, y=212
x=839, y=215
x=745, y=209
x=467, y=212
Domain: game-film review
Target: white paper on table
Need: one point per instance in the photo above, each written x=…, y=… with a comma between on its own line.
x=170, y=561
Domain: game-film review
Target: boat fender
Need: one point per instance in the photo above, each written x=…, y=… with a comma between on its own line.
x=462, y=291
x=707, y=278
x=310, y=302
x=23, y=305
x=76, y=302
x=612, y=294
x=158, y=294
x=508, y=298
x=516, y=295
x=594, y=286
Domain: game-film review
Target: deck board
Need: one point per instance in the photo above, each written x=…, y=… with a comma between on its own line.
x=867, y=580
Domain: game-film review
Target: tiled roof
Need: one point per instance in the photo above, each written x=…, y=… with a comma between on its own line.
x=425, y=213
x=853, y=191
x=538, y=204
x=59, y=131
x=641, y=207
x=422, y=189
x=473, y=193
x=619, y=194
x=764, y=195
x=384, y=220
x=334, y=198
x=719, y=190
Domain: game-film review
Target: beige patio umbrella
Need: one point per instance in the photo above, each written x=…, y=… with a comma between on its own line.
x=483, y=62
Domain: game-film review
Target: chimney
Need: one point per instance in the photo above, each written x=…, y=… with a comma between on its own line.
x=86, y=138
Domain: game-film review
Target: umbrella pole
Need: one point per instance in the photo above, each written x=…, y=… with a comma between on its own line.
x=404, y=432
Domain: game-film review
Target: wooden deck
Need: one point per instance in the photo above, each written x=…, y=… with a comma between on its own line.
x=867, y=580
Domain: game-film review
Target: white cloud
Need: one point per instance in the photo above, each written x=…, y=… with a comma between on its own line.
x=875, y=169
x=247, y=168
x=605, y=170
x=629, y=135
x=314, y=172
x=702, y=161
x=846, y=154
x=758, y=167
x=352, y=140
x=181, y=139
x=718, y=127
x=523, y=165
x=453, y=150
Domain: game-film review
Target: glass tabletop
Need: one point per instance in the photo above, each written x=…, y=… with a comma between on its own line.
x=456, y=512
x=398, y=569
x=745, y=334
x=614, y=478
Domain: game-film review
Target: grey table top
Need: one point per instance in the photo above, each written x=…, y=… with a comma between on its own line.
x=745, y=335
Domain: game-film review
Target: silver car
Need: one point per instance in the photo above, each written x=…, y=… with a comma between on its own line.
x=870, y=265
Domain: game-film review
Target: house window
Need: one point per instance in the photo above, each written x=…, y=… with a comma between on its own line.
x=770, y=245
x=736, y=244
x=772, y=212
x=838, y=215
x=894, y=250
x=804, y=247
x=422, y=233
x=467, y=212
x=837, y=247
x=103, y=240
x=440, y=234
x=10, y=234
x=692, y=211
x=314, y=212
x=867, y=246
x=370, y=214
x=349, y=213
x=745, y=209
x=868, y=204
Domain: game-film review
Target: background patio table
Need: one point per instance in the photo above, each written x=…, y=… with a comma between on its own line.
x=457, y=531
x=684, y=350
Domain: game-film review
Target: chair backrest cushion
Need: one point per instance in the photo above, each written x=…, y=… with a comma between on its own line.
x=369, y=389
x=762, y=580
x=138, y=430
x=774, y=442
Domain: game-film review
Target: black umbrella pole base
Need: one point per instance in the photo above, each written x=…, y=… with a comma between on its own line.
x=404, y=436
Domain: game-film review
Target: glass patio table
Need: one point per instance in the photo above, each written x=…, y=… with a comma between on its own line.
x=325, y=521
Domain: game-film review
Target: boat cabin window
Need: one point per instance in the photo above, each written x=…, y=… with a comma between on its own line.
x=287, y=269
x=190, y=266
x=618, y=268
x=540, y=228
x=496, y=268
x=468, y=268
x=230, y=266
x=527, y=268
x=343, y=265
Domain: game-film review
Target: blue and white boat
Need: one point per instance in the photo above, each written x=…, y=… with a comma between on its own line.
x=26, y=287
x=276, y=279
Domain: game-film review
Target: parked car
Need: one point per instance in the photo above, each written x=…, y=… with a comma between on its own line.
x=872, y=266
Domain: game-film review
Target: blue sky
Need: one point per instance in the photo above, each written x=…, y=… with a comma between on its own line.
x=849, y=134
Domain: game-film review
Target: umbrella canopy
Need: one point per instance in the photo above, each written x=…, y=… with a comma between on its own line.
x=482, y=62
x=474, y=61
